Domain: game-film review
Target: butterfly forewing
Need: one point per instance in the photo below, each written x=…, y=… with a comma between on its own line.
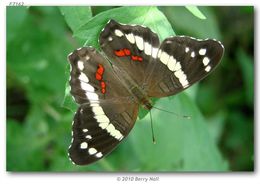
x=130, y=48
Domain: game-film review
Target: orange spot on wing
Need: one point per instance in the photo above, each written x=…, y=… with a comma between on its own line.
x=103, y=91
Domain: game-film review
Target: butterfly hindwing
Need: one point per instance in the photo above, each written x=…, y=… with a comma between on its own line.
x=98, y=129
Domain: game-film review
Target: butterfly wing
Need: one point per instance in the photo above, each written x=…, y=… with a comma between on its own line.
x=132, y=48
x=97, y=130
x=105, y=115
x=182, y=61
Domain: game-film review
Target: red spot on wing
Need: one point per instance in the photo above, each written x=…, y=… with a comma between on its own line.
x=100, y=69
x=119, y=53
x=98, y=76
x=103, y=91
x=134, y=58
x=102, y=84
x=137, y=58
x=140, y=59
x=127, y=52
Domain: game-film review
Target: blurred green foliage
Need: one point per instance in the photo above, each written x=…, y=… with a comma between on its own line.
x=218, y=137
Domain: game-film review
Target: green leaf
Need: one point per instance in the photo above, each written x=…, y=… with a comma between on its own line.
x=216, y=125
x=76, y=16
x=15, y=16
x=196, y=12
x=147, y=16
x=247, y=68
x=181, y=144
x=40, y=62
x=186, y=24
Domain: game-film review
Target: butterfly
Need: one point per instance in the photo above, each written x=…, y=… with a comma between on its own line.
x=133, y=66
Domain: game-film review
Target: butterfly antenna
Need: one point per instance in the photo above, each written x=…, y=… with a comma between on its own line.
x=153, y=138
x=183, y=116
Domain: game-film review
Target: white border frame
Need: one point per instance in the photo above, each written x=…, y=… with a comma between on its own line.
x=75, y=179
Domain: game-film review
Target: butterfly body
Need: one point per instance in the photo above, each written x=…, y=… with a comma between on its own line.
x=132, y=68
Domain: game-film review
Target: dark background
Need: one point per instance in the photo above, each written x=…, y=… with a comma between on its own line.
x=39, y=127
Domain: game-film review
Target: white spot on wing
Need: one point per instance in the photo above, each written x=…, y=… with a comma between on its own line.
x=114, y=132
x=207, y=69
x=101, y=118
x=182, y=77
x=99, y=155
x=192, y=54
x=89, y=137
x=103, y=125
x=110, y=38
x=118, y=33
x=205, y=61
x=92, y=96
x=130, y=38
x=87, y=87
x=202, y=51
x=147, y=48
x=177, y=66
x=139, y=42
x=164, y=58
x=80, y=65
x=94, y=104
x=83, y=77
x=187, y=49
x=171, y=63
x=154, y=52
x=84, y=130
x=84, y=145
x=98, y=110
x=92, y=151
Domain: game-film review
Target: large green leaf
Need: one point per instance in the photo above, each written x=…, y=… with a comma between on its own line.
x=15, y=17
x=196, y=12
x=187, y=24
x=247, y=68
x=147, y=16
x=76, y=16
x=181, y=144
